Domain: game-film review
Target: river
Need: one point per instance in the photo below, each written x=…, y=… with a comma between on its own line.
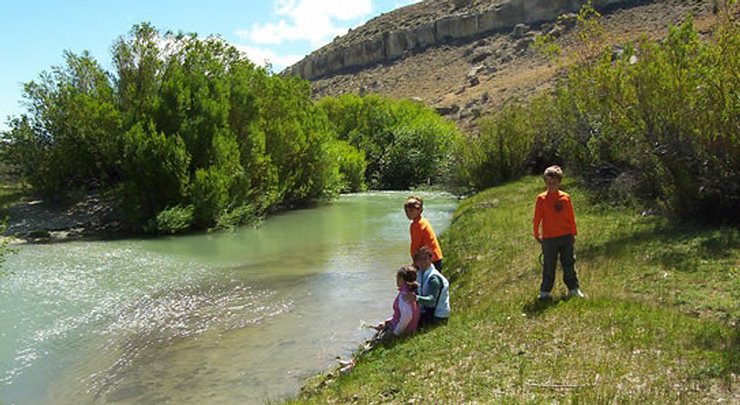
x=236, y=317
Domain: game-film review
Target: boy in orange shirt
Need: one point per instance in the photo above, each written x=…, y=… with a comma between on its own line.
x=422, y=233
x=554, y=211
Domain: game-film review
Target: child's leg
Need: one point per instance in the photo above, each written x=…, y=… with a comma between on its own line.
x=550, y=254
x=568, y=261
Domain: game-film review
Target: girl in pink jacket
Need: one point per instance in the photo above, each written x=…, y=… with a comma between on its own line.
x=405, y=317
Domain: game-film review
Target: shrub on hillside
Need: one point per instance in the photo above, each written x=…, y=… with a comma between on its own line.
x=663, y=118
x=672, y=117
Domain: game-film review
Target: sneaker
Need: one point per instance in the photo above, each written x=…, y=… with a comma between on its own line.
x=544, y=295
x=576, y=292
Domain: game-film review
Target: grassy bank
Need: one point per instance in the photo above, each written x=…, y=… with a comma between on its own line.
x=660, y=325
x=10, y=194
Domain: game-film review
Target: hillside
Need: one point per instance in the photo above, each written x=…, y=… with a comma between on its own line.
x=464, y=79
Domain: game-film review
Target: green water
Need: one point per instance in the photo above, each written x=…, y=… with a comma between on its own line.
x=230, y=318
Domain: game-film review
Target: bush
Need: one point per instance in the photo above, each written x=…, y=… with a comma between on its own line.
x=244, y=214
x=156, y=172
x=405, y=143
x=502, y=150
x=352, y=166
x=659, y=118
x=171, y=220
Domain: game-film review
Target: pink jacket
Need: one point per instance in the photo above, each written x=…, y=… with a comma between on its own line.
x=405, y=314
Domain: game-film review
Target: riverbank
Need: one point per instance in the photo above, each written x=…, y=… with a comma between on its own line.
x=661, y=323
x=36, y=221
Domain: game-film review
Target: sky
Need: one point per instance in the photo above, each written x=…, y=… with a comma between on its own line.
x=35, y=33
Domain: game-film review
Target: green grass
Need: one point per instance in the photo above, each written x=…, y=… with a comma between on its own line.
x=11, y=194
x=660, y=324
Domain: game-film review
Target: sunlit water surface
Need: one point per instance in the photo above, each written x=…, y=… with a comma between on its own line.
x=231, y=317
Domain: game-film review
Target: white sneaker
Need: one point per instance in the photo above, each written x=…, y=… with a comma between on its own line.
x=576, y=292
x=544, y=295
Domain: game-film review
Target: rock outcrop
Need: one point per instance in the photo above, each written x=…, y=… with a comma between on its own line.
x=463, y=20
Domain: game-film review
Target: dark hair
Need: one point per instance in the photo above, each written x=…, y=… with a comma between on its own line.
x=423, y=252
x=408, y=275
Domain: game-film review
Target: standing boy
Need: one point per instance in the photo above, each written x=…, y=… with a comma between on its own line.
x=422, y=233
x=554, y=211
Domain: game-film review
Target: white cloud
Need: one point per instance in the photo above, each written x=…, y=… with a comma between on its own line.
x=259, y=56
x=315, y=21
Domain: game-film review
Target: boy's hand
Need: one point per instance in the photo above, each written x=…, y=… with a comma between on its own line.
x=538, y=239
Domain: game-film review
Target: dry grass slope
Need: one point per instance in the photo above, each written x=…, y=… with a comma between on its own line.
x=472, y=78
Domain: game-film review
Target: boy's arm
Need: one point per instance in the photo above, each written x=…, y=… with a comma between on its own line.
x=415, y=233
x=430, y=300
x=427, y=234
x=538, y=212
x=572, y=217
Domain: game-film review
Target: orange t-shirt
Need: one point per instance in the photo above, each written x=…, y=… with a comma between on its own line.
x=422, y=234
x=555, y=212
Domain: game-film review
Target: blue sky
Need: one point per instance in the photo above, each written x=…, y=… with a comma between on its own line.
x=35, y=33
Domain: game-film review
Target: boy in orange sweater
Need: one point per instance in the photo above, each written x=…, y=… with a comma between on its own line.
x=422, y=233
x=554, y=211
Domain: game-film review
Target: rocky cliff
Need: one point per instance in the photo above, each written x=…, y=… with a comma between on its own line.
x=470, y=77
x=431, y=23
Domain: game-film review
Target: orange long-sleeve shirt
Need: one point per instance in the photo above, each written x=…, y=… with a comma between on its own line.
x=422, y=234
x=555, y=212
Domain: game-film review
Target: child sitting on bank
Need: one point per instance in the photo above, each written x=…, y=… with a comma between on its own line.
x=422, y=233
x=434, y=290
x=405, y=317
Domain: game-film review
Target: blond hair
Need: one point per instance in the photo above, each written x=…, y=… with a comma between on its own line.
x=554, y=171
x=414, y=201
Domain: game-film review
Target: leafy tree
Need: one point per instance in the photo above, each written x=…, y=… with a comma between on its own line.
x=405, y=143
x=156, y=172
x=71, y=137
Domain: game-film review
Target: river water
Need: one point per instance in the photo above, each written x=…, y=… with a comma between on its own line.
x=229, y=317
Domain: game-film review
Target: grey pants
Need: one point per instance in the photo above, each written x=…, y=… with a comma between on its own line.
x=551, y=248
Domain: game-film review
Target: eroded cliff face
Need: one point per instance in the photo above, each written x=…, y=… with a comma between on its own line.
x=422, y=28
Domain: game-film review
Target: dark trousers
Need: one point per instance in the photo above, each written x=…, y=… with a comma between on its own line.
x=552, y=248
x=428, y=319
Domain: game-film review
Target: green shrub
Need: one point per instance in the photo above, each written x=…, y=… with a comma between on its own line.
x=244, y=214
x=156, y=172
x=405, y=143
x=502, y=151
x=171, y=220
x=352, y=166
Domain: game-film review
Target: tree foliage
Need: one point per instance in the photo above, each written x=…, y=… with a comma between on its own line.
x=405, y=143
x=187, y=130
x=190, y=133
